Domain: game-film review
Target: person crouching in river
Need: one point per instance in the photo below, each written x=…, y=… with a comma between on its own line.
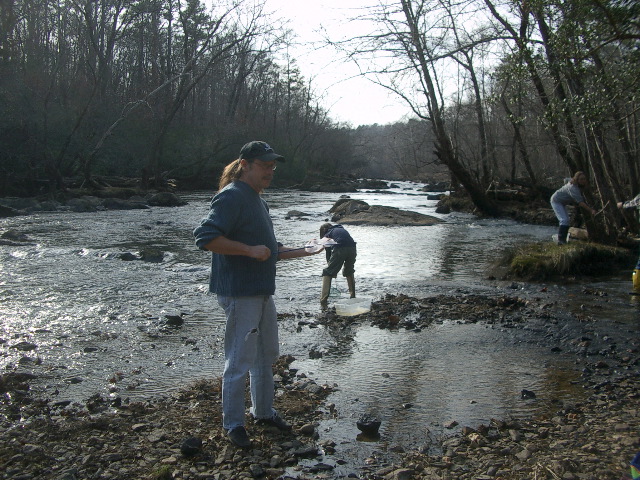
x=569, y=194
x=344, y=253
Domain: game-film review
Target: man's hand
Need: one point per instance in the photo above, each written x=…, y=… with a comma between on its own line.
x=259, y=252
x=224, y=246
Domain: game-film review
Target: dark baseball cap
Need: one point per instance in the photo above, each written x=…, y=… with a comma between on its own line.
x=261, y=151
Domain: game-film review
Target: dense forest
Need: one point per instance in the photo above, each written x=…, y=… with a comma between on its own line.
x=509, y=92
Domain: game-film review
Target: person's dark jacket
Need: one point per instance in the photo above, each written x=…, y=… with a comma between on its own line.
x=341, y=236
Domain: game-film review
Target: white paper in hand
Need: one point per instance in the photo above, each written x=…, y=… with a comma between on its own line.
x=313, y=246
x=327, y=242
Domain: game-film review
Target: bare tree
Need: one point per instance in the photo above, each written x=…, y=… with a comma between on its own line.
x=414, y=37
x=569, y=82
x=74, y=74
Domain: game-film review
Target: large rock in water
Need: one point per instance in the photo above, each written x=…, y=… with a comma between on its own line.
x=358, y=212
x=8, y=212
x=165, y=199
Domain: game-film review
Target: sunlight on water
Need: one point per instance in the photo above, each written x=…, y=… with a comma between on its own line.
x=415, y=382
x=96, y=313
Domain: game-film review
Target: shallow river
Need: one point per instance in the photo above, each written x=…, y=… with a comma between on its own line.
x=97, y=320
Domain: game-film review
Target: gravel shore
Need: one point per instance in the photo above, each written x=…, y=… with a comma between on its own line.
x=180, y=436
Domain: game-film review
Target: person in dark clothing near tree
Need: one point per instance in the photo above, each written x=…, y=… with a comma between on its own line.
x=342, y=254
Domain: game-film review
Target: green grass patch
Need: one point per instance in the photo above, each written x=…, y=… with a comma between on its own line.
x=540, y=261
x=162, y=473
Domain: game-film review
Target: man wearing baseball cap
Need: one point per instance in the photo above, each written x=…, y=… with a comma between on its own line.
x=239, y=233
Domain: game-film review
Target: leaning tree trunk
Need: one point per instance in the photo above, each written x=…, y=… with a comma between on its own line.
x=444, y=147
x=444, y=151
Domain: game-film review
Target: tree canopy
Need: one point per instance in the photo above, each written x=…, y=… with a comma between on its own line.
x=501, y=91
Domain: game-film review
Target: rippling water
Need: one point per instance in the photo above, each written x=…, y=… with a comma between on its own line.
x=97, y=320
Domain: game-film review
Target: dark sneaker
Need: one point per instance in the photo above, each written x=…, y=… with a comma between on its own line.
x=238, y=436
x=275, y=421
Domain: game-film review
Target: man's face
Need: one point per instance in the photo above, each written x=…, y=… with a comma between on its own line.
x=258, y=174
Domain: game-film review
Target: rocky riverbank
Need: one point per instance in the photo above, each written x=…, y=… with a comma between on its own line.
x=107, y=200
x=591, y=439
x=180, y=437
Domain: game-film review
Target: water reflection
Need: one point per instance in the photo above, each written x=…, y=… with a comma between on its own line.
x=424, y=380
x=96, y=318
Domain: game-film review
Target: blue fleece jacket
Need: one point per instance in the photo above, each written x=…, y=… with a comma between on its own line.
x=239, y=213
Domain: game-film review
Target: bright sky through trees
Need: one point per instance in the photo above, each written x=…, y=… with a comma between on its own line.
x=348, y=97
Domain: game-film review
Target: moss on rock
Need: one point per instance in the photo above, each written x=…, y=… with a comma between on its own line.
x=540, y=261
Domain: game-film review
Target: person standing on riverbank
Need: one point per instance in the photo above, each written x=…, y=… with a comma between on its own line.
x=569, y=194
x=342, y=254
x=239, y=232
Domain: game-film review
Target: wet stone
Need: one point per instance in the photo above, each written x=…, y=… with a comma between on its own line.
x=191, y=446
x=256, y=470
